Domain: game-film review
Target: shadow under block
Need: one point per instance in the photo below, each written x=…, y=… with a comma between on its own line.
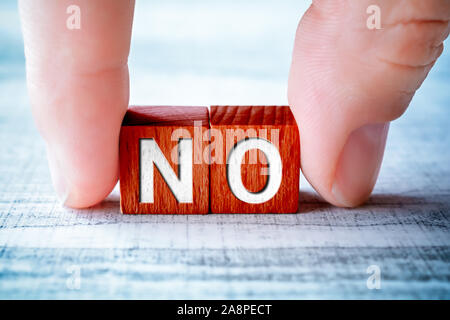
x=275, y=124
x=141, y=127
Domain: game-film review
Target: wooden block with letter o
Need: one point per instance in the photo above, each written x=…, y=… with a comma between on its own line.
x=255, y=160
x=161, y=160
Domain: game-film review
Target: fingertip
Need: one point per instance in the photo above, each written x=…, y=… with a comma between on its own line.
x=81, y=198
x=359, y=165
x=85, y=194
x=78, y=186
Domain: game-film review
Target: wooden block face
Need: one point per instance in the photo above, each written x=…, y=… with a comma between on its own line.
x=242, y=128
x=144, y=130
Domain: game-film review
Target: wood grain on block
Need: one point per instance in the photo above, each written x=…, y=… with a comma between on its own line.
x=165, y=126
x=234, y=124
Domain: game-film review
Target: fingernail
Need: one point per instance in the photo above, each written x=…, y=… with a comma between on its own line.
x=359, y=164
x=59, y=182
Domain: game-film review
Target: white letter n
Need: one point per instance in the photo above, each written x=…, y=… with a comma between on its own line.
x=152, y=154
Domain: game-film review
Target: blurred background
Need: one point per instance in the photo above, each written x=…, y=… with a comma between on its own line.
x=197, y=52
x=212, y=52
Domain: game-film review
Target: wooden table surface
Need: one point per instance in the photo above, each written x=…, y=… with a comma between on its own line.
x=321, y=252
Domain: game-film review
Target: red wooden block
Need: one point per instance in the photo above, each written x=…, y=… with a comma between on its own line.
x=269, y=179
x=152, y=179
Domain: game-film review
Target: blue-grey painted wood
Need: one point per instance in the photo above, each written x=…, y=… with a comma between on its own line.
x=323, y=252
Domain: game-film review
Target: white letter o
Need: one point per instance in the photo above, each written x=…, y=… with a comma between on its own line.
x=234, y=170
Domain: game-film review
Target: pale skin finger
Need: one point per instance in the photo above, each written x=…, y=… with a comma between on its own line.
x=347, y=82
x=78, y=87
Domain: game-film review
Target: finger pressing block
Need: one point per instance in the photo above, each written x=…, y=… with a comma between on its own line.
x=255, y=160
x=162, y=169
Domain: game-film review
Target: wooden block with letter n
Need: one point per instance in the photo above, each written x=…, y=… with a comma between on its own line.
x=161, y=160
x=255, y=160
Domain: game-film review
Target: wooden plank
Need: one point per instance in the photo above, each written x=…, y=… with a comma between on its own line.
x=239, y=273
